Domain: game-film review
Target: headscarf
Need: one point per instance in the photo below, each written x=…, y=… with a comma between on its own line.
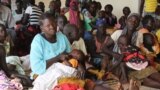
x=74, y=15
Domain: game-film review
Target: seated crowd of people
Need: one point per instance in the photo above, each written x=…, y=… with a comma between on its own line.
x=78, y=47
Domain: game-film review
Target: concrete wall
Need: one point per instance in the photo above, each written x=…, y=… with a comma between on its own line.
x=47, y=3
x=117, y=4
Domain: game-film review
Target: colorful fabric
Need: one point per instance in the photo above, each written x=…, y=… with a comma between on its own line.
x=67, y=86
x=34, y=14
x=71, y=62
x=134, y=59
x=156, y=48
x=158, y=35
x=87, y=19
x=74, y=16
x=150, y=5
x=139, y=40
x=7, y=84
x=100, y=21
x=74, y=63
x=42, y=50
x=71, y=80
x=49, y=79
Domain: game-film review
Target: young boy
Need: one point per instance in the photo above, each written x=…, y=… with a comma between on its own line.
x=122, y=20
x=61, y=22
x=110, y=18
x=73, y=35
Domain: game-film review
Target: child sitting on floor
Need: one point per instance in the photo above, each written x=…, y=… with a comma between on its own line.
x=73, y=34
x=6, y=83
x=68, y=68
x=5, y=40
x=150, y=48
x=138, y=67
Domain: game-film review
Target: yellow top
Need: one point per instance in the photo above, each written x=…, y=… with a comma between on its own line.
x=73, y=62
x=158, y=35
x=150, y=5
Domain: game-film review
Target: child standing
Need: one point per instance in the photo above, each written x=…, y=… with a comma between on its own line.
x=111, y=19
x=122, y=20
x=101, y=18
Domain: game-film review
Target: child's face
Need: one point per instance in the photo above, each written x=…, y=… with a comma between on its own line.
x=61, y=23
x=126, y=11
x=19, y=5
x=75, y=35
x=41, y=5
x=92, y=8
x=75, y=54
x=132, y=23
x=101, y=14
x=108, y=10
x=150, y=25
x=122, y=43
x=49, y=27
x=2, y=34
x=52, y=6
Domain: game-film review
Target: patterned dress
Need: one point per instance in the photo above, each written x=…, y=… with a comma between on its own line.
x=7, y=84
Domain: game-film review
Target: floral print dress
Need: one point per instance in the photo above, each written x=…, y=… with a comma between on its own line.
x=8, y=84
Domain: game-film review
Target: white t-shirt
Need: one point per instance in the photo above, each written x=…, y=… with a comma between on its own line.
x=34, y=13
x=116, y=35
x=80, y=45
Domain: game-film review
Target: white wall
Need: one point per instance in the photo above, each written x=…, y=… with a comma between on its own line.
x=117, y=5
x=47, y=3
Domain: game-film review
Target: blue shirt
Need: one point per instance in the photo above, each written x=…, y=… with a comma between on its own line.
x=42, y=50
x=100, y=21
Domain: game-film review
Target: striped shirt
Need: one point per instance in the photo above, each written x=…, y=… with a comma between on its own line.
x=150, y=5
x=34, y=13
